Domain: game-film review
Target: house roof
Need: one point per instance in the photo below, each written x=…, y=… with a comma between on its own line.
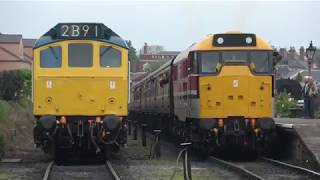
x=297, y=64
x=10, y=38
x=168, y=53
x=29, y=42
x=314, y=73
x=283, y=71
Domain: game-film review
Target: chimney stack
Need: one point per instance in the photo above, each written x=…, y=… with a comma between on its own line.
x=302, y=53
x=145, y=48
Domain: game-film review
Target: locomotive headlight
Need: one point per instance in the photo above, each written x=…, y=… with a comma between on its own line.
x=111, y=121
x=220, y=40
x=248, y=40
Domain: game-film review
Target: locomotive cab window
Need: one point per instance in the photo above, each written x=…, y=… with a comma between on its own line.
x=109, y=57
x=209, y=62
x=80, y=55
x=261, y=62
x=50, y=57
x=235, y=57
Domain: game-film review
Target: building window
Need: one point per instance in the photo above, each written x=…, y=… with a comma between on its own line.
x=109, y=57
x=50, y=57
x=80, y=55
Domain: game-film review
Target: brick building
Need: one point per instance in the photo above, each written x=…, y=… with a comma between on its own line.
x=15, y=52
x=154, y=56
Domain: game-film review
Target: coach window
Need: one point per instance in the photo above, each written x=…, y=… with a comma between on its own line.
x=194, y=63
x=209, y=61
x=109, y=57
x=80, y=55
x=261, y=62
x=50, y=57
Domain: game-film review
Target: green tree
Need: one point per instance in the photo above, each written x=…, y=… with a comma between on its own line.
x=133, y=58
x=15, y=84
x=11, y=84
x=26, y=75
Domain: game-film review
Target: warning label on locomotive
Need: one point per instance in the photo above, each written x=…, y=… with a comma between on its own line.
x=49, y=84
x=112, y=84
x=235, y=83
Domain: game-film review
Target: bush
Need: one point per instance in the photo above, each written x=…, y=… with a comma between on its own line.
x=317, y=114
x=284, y=103
x=4, y=109
x=1, y=145
x=26, y=75
x=15, y=84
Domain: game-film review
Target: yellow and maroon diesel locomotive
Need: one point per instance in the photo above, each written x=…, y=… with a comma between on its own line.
x=216, y=93
x=80, y=89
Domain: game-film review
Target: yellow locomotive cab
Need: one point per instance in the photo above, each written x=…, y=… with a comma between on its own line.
x=94, y=90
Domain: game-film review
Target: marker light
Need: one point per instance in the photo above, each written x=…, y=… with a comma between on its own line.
x=63, y=120
x=98, y=120
x=220, y=122
x=253, y=123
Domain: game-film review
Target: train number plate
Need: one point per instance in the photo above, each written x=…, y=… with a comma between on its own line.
x=79, y=31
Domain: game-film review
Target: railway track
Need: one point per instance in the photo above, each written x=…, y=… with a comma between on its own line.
x=105, y=172
x=265, y=168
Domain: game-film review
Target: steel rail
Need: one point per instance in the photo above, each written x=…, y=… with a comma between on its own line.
x=48, y=171
x=293, y=167
x=237, y=168
x=113, y=172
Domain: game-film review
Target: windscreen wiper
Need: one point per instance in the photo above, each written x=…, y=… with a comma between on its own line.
x=106, y=50
x=53, y=52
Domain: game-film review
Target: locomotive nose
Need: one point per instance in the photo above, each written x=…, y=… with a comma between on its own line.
x=111, y=122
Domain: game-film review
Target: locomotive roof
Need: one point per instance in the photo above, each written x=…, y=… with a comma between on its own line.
x=208, y=44
x=102, y=33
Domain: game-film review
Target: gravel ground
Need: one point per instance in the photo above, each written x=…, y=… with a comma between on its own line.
x=305, y=164
x=22, y=171
x=134, y=164
x=272, y=172
x=32, y=166
x=80, y=173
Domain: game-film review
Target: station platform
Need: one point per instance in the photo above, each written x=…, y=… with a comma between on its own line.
x=308, y=131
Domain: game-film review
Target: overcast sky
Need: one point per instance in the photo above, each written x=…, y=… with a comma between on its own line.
x=175, y=25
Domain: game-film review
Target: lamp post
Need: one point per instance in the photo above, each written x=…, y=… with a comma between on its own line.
x=310, y=51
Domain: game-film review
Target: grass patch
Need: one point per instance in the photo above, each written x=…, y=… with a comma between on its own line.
x=25, y=103
x=4, y=109
x=5, y=176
